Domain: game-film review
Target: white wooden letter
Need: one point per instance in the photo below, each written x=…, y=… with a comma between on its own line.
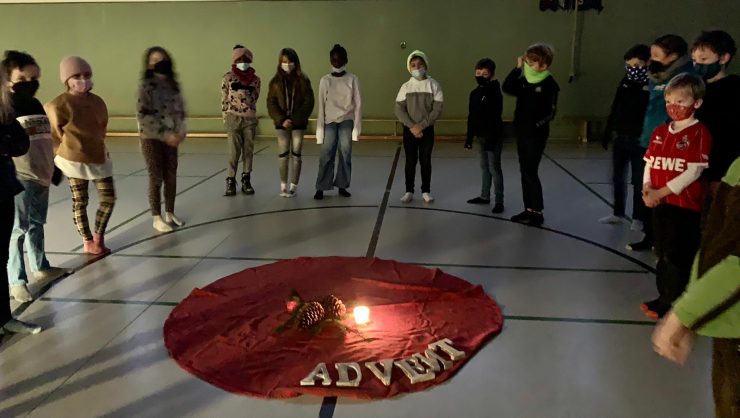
x=385, y=375
x=319, y=372
x=343, y=369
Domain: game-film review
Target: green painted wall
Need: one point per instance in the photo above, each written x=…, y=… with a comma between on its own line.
x=454, y=33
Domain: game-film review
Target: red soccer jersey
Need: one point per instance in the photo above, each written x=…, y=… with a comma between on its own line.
x=670, y=154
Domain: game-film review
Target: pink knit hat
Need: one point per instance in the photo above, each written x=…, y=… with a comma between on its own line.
x=240, y=52
x=71, y=66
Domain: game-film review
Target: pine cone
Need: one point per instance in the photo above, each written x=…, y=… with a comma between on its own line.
x=334, y=307
x=311, y=313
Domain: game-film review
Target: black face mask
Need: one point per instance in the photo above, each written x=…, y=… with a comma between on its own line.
x=26, y=89
x=163, y=67
x=482, y=81
x=657, y=67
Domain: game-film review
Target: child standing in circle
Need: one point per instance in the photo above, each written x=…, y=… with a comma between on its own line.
x=418, y=105
x=338, y=125
x=290, y=103
x=161, y=116
x=240, y=90
x=79, y=120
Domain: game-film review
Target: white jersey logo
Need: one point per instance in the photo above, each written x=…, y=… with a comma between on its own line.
x=667, y=163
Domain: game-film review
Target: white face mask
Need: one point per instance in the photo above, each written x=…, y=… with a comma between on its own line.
x=419, y=73
x=287, y=67
x=338, y=70
x=80, y=86
x=243, y=66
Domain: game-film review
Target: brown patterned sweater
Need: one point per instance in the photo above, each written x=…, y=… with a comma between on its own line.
x=160, y=109
x=240, y=101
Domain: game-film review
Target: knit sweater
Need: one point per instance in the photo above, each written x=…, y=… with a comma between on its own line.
x=339, y=100
x=291, y=98
x=711, y=303
x=719, y=111
x=78, y=127
x=160, y=109
x=238, y=99
x=38, y=164
x=419, y=102
x=13, y=143
x=484, y=114
x=536, y=104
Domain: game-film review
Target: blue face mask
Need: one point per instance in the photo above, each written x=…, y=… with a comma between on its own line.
x=243, y=66
x=418, y=73
x=708, y=71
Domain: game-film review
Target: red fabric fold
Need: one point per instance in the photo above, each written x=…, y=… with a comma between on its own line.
x=224, y=333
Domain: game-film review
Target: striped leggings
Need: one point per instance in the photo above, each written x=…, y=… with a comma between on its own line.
x=80, y=199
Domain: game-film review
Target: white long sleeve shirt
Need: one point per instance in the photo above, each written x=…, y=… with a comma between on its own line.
x=339, y=100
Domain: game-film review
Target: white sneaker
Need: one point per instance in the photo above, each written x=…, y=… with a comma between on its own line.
x=427, y=197
x=50, y=274
x=637, y=225
x=160, y=225
x=171, y=218
x=15, y=326
x=284, y=190
x=407, y=197
x=293, y=189
x=611, y=220
x=20, y=293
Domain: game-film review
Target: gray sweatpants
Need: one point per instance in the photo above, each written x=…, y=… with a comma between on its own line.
x=240, y=132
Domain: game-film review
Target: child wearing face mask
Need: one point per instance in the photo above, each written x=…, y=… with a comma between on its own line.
x=34, y=171
x=677, y=155
x=712, y=52
x=484, y=128
x=240, y=90
x=668, y=58
x=418, y=105
x=338, y=125
x=79, y=120
x=160, y=113
x=623, y=127
x=290, y=103
x=536, y=93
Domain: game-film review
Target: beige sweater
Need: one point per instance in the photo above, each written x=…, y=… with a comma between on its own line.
x=78, y=127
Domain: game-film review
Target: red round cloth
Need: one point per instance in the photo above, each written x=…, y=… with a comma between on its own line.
x=225, y=332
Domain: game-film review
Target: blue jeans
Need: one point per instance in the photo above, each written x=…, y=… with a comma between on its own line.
x=336, y=135
x=490, y=166
x=30, y=216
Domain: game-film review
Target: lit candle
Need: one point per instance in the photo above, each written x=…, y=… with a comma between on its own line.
x=362, y=315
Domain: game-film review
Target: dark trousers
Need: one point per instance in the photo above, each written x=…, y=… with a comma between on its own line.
x=677, y=238
x=161, y=162
x=418, y=150
x=627, y=151
x=726, y=377
x=7, y=213
x=530, y=146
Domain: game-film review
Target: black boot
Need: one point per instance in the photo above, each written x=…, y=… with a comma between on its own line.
x=246, y=183
x=230, y=186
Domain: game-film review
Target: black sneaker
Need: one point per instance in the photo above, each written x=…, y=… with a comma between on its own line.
x=479, y=201
x=344, y=193
x=498, y=208
x=247, y=184
x=522, y=217
x=319, y=195
x=230, y=186
x=639, y=246
x=536, y=219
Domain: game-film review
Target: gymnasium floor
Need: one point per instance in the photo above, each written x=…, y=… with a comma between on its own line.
x=574, y=342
